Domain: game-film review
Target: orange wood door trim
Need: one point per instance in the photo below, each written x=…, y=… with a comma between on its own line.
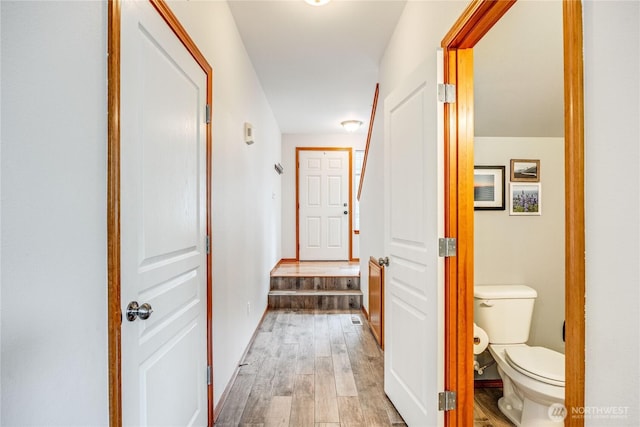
x=451, y=221
x=113, y=215
x=465, y=235
x=459, y=213
x=474, y=22
x=113, y=202
x=350, y=150
x=574, y=208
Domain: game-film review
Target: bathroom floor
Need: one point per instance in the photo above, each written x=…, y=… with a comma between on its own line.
x=485, y=408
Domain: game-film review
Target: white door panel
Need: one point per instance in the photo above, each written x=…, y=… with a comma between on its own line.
x=413, y=286
x=163, y=223
x=324, y=189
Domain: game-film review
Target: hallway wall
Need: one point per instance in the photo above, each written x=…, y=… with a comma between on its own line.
x=246, y=214
x=612, y=186
x=53, y=173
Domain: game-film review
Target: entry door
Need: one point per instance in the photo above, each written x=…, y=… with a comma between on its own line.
x=324, y=197
x=163, y=224
x=414, y=288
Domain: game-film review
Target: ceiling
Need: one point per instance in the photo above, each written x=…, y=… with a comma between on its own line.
x=318, y=66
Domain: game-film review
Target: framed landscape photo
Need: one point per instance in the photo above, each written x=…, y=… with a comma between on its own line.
x=525, y=199
x=488, y=188
x=525, y=170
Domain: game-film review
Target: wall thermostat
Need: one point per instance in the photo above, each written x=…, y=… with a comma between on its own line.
x=248, y=133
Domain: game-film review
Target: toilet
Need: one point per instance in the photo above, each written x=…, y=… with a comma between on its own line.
x=532, y=377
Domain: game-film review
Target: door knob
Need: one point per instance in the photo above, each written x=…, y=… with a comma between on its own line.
x=346, y=212
x=383, y=262
x=134, y=310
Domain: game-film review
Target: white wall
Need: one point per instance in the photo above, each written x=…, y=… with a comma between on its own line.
x=357, y=141
x=416, y=39
x=612, y=185
x=53, y=173
x=246, y=189
x=527, y=250
x=526, y=42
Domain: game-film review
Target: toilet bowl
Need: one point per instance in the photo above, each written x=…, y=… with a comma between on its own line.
x=532, y=381
x=532, y=377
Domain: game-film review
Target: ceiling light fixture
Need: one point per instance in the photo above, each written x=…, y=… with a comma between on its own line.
x=351, y=125
x=317, y=2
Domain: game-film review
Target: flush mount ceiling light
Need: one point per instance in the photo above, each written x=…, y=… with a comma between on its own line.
x=351, y=125
x=317, y=2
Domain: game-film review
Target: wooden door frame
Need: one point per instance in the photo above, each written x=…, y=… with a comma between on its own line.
x=458, y=45
x=350, y=151
x=114, y=317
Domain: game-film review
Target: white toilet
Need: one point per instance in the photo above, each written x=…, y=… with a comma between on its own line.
x=532, y=377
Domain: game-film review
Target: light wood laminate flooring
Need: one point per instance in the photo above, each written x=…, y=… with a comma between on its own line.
x=485, y=409
x=317, y=269
x=314, y=368
x=310, y=368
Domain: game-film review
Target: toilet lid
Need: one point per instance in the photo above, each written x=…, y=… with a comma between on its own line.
x=538, y=362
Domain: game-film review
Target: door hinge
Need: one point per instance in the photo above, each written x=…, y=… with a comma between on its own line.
x=209, y=376
x=446, y=93
x=446, y=400
x=208, y=244
x=447, y=247
x=207, y=113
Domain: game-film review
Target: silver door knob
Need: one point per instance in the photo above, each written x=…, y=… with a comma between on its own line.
x=142, y=311
x=383, y=262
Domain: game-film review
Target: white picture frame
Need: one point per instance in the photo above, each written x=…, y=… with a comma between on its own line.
x=525, y=198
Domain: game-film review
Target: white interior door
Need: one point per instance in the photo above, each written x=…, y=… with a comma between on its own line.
x=413, y=288
x=163, y=224
x=324, y=204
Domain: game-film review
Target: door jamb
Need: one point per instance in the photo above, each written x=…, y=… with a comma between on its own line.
x=350, y=151
x=458, y=45
x=114, y=318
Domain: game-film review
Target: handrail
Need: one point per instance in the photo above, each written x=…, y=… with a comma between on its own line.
x=366, y=151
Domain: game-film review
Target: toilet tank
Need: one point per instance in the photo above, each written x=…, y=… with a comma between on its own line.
x=504, y=312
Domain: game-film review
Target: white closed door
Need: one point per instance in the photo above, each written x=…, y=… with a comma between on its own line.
x=324, y=198
x=163, y=224
x=413, y=359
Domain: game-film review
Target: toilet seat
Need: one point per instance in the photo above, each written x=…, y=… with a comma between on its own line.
x=540, y=363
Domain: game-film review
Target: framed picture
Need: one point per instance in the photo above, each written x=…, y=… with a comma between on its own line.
x=488, y=188
x=525, y=199
x=525, y=170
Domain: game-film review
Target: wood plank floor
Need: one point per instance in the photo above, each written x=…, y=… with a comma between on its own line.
x=317, y=269
x=310, y=368
x=313, y=368
x=485, y=409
